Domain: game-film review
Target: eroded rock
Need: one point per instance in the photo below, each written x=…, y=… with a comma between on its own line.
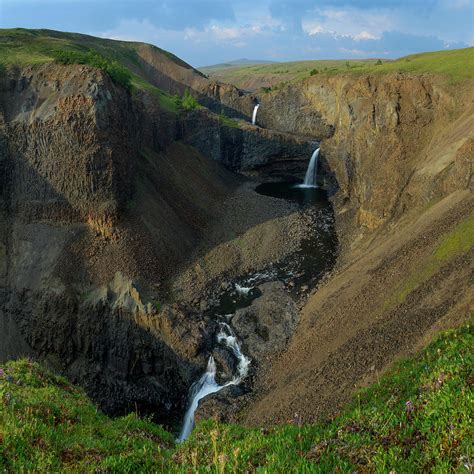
x=266, y=325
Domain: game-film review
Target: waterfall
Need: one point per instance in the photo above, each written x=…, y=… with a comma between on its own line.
x=207, y=382
x=204, y=386
x=254, y=114
x=243, y=290
x=312, y=171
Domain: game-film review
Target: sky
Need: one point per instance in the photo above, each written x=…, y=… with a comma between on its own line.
x=204, y=32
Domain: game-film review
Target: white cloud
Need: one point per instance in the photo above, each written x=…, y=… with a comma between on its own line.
x=365, y=35
x=231, y=33
x=351, y=22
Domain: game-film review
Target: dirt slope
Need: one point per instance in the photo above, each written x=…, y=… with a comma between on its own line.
x=402, y=151
x=372, y=311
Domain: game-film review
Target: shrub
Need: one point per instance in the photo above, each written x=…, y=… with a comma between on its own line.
x=189, y=102
x=379, y=62
x=313, y=72
x=118, y=73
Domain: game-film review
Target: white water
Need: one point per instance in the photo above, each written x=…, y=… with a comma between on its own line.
x=311, y=172
x=242, y=290
x=207, y=383
x=254, y=114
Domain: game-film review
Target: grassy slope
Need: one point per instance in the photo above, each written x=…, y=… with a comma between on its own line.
x=416, y=418
x=23, y=47
x=33, y=47
x=457, y=65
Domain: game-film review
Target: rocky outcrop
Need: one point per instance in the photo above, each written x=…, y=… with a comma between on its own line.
x=393, y=141
x=268, y=323
x=245, y=148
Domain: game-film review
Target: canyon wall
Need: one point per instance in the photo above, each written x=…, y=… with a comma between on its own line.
x=402, y=150
x=101, y=199
x=394, y=141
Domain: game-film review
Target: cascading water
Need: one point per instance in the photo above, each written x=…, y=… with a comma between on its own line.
x=254, y=114
x=207, y=383
x=312, y=171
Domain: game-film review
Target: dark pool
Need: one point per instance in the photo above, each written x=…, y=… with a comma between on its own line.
x=292, y=191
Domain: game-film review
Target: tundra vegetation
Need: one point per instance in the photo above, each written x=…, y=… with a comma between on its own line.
x=417, y=417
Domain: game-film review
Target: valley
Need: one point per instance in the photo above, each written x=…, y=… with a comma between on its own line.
x=154, y=242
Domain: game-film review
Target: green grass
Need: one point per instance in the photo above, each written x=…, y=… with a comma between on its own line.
x=456, y=242
x=46, y=425
x=456, y=65
x=118, y=73
x=417, y=418
x=227, y=121
x=169, y=102
x=119, y=59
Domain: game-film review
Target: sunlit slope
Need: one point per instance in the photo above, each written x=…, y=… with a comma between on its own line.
x=457, y=65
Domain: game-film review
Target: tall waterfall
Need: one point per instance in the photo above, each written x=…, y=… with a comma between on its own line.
x=254, y=114
x=312, y=171
x=207, y=383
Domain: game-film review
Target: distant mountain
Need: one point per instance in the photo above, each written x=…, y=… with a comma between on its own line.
x=236, y=62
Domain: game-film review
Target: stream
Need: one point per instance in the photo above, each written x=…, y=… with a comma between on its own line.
x=299, y=272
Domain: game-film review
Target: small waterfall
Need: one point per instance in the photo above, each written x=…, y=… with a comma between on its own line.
x=227, y=337
x=312, y=171
x=207, y=383
x=254, y=114
x=243, y=290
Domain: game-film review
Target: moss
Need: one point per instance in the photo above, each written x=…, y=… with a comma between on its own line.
x=456, y=242
x=459, y=240
x=167, y=101
x=228, y=122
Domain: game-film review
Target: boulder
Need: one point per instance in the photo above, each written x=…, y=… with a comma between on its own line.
x=267, y=324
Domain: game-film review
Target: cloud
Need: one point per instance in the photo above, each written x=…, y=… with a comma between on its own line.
x=365, y=35
x=354, y=23
x=231, y=33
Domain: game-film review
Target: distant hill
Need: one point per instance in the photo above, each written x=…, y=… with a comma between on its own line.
x=457, y=64
x=235, y=63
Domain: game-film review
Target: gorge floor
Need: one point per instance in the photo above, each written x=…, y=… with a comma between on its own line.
x=261, y=303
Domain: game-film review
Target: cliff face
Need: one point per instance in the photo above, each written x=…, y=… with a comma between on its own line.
x=99, y=205
x=246, y=148
x=71, y=144
x=402, y=150
x=394, y=141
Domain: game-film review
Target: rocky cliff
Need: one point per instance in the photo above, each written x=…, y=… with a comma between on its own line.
x=402, y=150
x=102, y=199
x=394, y=141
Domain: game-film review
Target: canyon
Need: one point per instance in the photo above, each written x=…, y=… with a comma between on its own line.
x=124, y=220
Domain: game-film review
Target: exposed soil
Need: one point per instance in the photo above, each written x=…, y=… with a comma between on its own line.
x=349, y=333
x=252, y=232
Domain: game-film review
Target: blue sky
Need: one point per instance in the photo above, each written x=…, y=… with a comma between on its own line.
x=206, y=32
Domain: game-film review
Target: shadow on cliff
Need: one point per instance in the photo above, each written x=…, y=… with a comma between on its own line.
x=207, y=91
x=120, y=357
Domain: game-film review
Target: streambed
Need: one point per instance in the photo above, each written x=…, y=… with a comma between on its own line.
x=298, y=273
